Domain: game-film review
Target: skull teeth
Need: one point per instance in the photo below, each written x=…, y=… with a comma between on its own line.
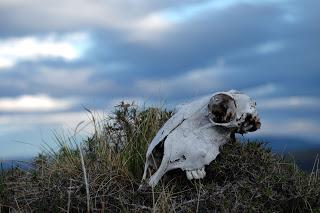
x=189, y=175
x=196, y=174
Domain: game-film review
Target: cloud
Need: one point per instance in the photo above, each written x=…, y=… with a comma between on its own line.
x=81, y=81
x=31, y=103
x=270, y=47
x=6, y=63
x=145, y=21
x=134, y=20
x=290, y=127
x=58, y=80
x=292, y=102
x=193, y=82
x=262, y=90
x=149, y=28
x=189, y=10
x=61, y=78
x=70, y=119
x=68, y=47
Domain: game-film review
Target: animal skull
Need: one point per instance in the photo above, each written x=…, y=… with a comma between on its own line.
x=191, y=138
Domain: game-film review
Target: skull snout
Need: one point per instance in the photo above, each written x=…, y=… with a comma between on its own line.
x=253, y=122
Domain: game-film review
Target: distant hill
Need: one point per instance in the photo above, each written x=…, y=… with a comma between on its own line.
x=280, y=144
x=305, y=159
x=22, y=163
x=302, y=151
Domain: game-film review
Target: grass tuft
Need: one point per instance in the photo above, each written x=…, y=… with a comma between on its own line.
x=104, y=171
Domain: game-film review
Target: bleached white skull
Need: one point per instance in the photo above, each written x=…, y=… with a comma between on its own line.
x=191, y=138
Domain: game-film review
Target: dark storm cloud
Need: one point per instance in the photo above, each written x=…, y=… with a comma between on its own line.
x=232, y=34
x=25, y=17
x=194, y=43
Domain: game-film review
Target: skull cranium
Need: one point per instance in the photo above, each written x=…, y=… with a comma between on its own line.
x=191, y=138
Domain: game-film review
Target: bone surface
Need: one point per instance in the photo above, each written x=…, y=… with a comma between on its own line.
x=191, y=138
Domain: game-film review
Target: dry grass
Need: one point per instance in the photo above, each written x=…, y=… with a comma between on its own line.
x=245, y=177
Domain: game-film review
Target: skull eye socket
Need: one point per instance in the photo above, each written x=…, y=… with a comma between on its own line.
x=222, y=108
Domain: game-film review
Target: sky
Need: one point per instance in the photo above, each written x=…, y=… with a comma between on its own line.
x=59, y=56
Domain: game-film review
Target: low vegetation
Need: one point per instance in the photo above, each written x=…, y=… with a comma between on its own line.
x=103, y=172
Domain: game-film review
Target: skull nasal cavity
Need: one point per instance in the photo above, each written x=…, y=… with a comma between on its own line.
x=248, y=117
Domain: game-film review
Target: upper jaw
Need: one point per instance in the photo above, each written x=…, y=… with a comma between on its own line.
x=249, y=124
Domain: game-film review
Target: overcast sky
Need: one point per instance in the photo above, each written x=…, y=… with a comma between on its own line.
x=57, y=56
